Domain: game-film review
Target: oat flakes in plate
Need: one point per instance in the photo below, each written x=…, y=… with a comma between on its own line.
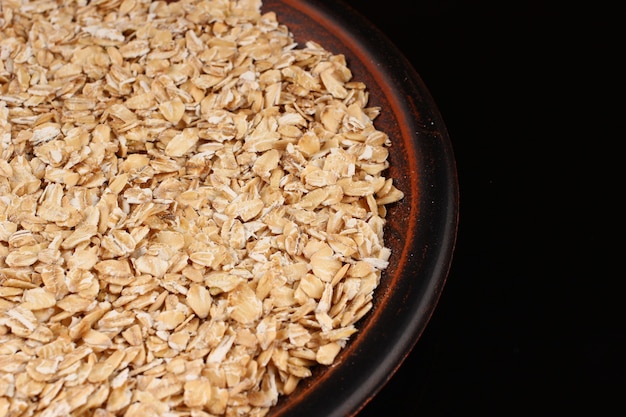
x=192, y=208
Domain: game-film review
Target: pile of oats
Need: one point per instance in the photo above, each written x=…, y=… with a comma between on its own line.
x=191, y=208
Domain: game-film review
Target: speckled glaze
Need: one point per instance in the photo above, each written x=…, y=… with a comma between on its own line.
x=421, y=229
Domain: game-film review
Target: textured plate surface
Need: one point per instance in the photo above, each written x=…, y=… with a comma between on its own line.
x=421, y=229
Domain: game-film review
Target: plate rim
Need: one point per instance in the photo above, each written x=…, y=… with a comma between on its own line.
x=409, y=97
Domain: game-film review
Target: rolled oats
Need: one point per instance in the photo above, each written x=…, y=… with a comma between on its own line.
x=191, y=208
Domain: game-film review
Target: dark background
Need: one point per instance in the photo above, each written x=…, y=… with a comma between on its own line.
x=531, y=321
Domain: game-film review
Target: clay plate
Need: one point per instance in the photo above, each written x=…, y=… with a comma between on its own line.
x=421, y=229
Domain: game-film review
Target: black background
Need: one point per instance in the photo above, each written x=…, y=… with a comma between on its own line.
x=531, y=321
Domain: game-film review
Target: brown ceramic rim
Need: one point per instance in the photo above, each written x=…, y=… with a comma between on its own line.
x=421, y=229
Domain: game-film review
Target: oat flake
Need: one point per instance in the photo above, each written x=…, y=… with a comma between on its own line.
x=191, y=208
